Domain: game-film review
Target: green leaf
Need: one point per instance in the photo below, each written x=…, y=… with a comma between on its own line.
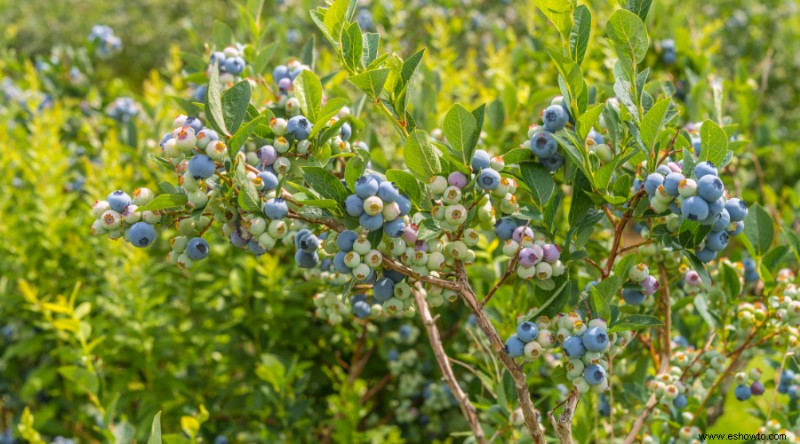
x=604, y=292
x=429, y=229
x=155, y=430
x=579, y=34
x=759, y=229
x=539, y=180
x=371, y=82
x=328, y=204
x=406, y=72
x=774, y=257
x=234, y=105
x=308, y=90
x=164, y=201
x=407, y=184
x=213, y=105
x=517, y=155
x=714, y=143
x=559, y=375
x=461, y=131
x=336, y=18
x=353, y=47
x=691, y=234
x=587, y=120
x=699, y=268
x=639, y=7
x=581, y=203
x=570, y=73
x=629, y=38
x=559, y=12
x=635, y=322
x=371, y=42
x=653, y=121
x=82, y=378
x=354, y=170
x=248, y=197
x=420, y=156
x=324, y=183
x=237, y=140
x=331, y=108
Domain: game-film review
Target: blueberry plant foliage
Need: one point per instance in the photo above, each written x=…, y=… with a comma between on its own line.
x=599, y=163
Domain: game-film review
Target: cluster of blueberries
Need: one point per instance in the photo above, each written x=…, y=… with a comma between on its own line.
x=584, y=346
x=284, y=75
x=106, y=43
x=643, y=284
x=542, y=143
x=700, y=198
x=745, y=390
x=536, y=258
x=230, y=64
x=378, y=203
x=123, y=109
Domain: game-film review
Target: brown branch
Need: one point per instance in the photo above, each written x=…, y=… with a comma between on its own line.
x=666, y=350
x=511, y=267
x=470, y=414
x=498, y=348
x=618, y=230
x=563, y=426
x=635, y=246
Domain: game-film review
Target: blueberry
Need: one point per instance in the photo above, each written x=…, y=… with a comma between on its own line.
x=394, y=275
x=217, y=57
x=141, y=234
x=346, y=240
x=280, y=72
x=221, y=439
x=197, y=248
x=757, y=388
x=717, y=240
x=595, y=339
x=338, y=263
x=737, y=209
x=234, y=65
x=573, y=347
x=383, y=289
x=742, y=392
x=527, y=331
x=269, y=180
x=663, y=170
x=706, y=255
x=480, y=160
x=404, y=204
x=594, y=374
x=276, y=208
x=552, y=163
x=361, y=309
x=354, y=205
x=710, y=187
x=345, y=132
x=504, y=228
x=604, y=409
x=300, y=236
x=457, y=179
x=394, y=228
x=306, y=260
x=488, y=179
x=299, y=127
x=543, y=145
x=195, y=123
x=255, y=247
x=309, y=244
x=201, y=167
x=237, y=239
x=694, y=208
x=371, y=223
x=366, y=186
x=737, y=229
x=388, y=192
x=632, y=296
x=680, y=401
x=118, y=201
x=671, y=183
x=715, y=207
x=515, y=347
x=530, y=256
x=267, y=154
x=554, y=118
x=704, y=169
x=652, y=182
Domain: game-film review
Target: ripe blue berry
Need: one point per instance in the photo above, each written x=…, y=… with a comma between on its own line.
x=280, y=72
x=394, y=228
x=345, y=132
x=300, y=236
x=595, y=339
x=573, y=347
x=339, y=264
x=742, y=392
x=504, y=228
x=269, y=180
x=543, y=145
x=354, y=205
x=703, y=169
x=201, y=167
x=404, y=204
x=388, y=192
x=234, y=65
x=361, y=309
x=118, y=200
x=554, y=118
x=694, y=208
x=197, y=248
x=710, y=187
x=738, y=228
x=480, y=160
x=527, y=331
x=309, y=243
x=366, y=186
x=346, y=240
x=552, y=163
x=276, y=208
x=488, y=179
x=680, y=401
x=706, y=255
x=671, y=183
x=255, y=247
x=594, y=374
x=394, y=275
x=717, y=240
x=737, y=209
x=141, y=234
x=515, y=347
x=652, y=182
x=632, y=296
x=383, y=289
x=307, y=260
x=299, y=127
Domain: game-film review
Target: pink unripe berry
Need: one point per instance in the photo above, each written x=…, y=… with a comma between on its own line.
x=551, y=253
x=457, y=179
x=649, y=285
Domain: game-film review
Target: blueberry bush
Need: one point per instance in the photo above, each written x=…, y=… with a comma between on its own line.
x=404, y=222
